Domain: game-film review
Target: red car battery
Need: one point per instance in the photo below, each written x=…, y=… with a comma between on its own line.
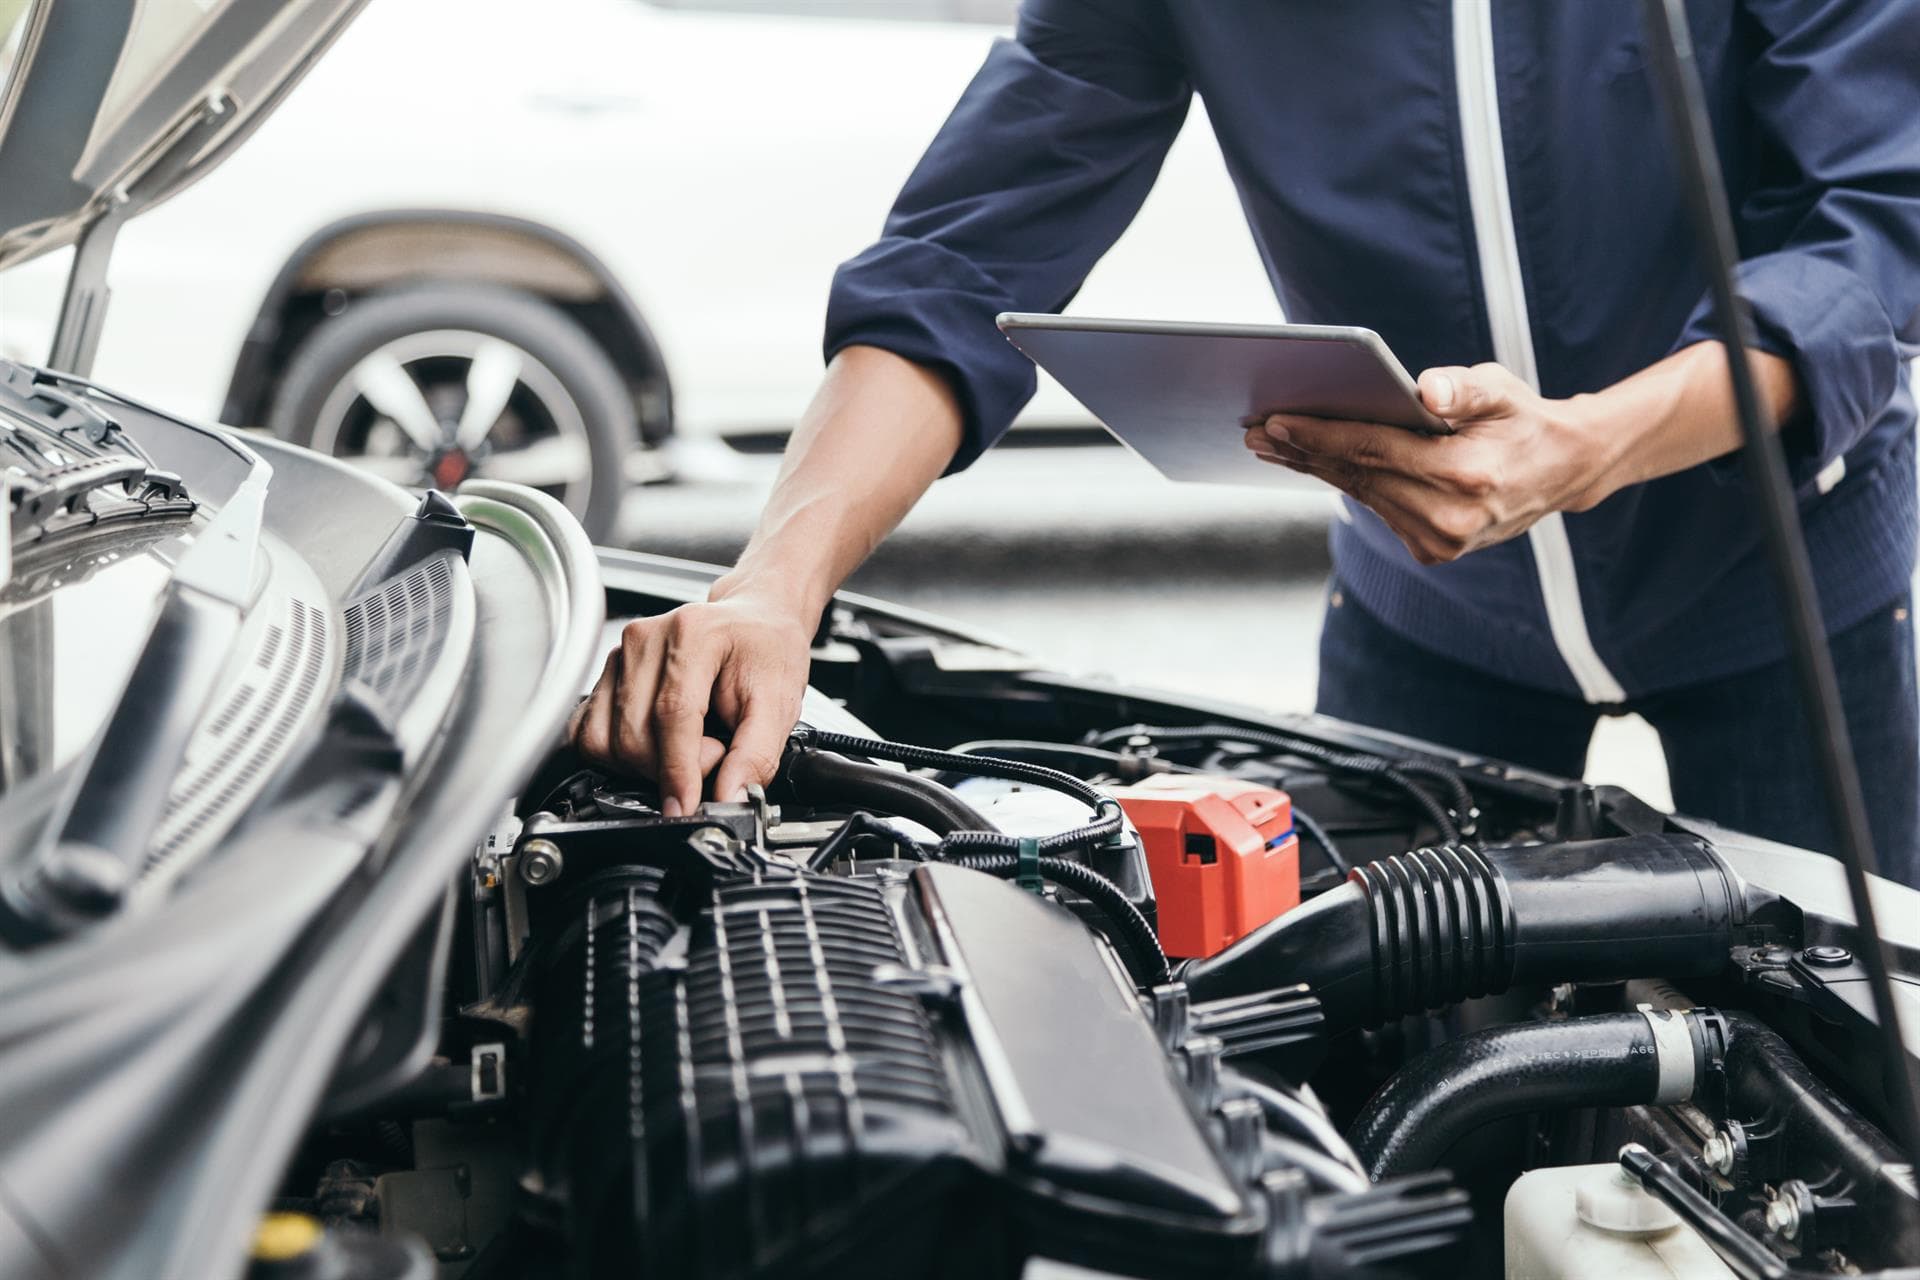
x=1222, y=854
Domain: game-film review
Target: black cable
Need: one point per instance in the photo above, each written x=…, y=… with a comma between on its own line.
x=1398, y=773
x=998, y=854
x=1108, y=821
x=1318, y=834
x=827, y=779
x=1678, y=81
x=1138, y=945
x=861, y=825
x=1124, y=765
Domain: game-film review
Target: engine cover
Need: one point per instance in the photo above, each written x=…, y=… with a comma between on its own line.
x=920, y=1070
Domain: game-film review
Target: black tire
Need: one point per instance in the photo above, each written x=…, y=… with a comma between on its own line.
x=582, y=375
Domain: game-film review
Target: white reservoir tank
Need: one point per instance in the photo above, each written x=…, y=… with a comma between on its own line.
x=1592, y=1222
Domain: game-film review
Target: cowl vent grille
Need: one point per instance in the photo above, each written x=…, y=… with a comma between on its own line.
x=232, y=756
x=396, y=632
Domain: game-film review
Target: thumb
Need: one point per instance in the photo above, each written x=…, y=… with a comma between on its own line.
x=1460, y=394
x=1440, y=389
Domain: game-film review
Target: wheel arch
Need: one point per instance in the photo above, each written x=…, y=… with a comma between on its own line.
x=371, y=251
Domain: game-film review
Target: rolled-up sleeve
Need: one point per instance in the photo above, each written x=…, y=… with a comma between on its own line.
x=1837, y=100
x=1043, y=163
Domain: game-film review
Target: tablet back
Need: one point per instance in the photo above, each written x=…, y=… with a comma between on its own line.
x=1181, y=395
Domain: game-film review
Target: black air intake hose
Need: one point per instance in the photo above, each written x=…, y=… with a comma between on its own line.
x=1437, y=926
x=1616, y=1060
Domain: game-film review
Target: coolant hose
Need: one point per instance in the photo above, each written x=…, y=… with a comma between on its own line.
x=827, y=778
x=1615, y=1060
x=1431, y=928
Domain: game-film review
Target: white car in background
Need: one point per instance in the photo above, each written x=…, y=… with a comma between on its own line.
x=519, y=240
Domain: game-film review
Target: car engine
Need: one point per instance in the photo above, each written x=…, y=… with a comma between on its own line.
x=1120, y=1006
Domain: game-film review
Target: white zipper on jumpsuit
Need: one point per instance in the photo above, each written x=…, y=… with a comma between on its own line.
x=1484, y=151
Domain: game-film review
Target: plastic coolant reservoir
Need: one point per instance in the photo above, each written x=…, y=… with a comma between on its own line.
x=1589, y=1222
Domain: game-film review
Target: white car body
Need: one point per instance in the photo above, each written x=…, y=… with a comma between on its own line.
x=719, y=164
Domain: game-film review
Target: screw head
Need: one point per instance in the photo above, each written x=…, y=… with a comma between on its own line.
x=540, y=862
x=1717, y=1153
x=1783, y=1215
x=1828, y=957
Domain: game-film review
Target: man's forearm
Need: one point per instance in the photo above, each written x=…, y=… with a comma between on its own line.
x=878, y=433
x=1678, y=413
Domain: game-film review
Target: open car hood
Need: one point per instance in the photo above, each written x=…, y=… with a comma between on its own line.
x=110, y=106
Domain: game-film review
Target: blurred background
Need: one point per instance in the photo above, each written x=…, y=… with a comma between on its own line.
x=599, y=233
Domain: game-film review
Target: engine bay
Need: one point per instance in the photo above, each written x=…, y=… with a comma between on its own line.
x=1136, y=998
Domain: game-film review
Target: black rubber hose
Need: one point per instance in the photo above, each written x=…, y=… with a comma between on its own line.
x=825, y=778
x=1431, y=928
x=1767, y=1078
x=1455, y=1088
x=1108, y=821
x=1138, y=944
x=1126, y=766
x=1399, y=773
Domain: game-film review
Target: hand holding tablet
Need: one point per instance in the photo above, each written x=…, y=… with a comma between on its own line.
x=1181, y=395
x=1235, y=404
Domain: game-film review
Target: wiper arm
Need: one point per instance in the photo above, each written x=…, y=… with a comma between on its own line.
x=56, y=465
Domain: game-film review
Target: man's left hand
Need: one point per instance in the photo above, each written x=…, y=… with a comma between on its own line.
x=1515, y=456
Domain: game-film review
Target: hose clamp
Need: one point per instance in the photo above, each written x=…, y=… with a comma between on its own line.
x=1027, y=869
x=1673, y=1053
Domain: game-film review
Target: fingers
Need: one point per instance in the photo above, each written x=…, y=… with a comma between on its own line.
x=758, y=741
x=1435, y=526
x=649, y=710
x=591, y=727
x=680, y=715
x=1367, y=444
x=642, y=650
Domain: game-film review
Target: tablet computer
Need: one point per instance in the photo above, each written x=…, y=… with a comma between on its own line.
x=1181, y=395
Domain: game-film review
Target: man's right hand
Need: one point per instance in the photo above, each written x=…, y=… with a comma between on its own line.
x=741, y=659
x=876, y=435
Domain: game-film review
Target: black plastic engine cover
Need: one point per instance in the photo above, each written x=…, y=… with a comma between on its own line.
x=915, y=1072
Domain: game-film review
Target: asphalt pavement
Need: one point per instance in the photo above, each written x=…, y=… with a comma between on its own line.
x=1086, y=557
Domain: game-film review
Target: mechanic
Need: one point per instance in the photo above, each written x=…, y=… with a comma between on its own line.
x=1485, y=183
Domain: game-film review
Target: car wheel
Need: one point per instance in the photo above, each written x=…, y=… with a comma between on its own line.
x=430, y=384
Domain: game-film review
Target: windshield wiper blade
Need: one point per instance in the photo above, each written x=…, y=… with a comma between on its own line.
x=61, y=450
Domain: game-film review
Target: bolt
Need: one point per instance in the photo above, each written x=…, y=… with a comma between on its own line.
x=1828, y=957
x=540, y=862
x=1717, y=1153
x=712, y=842
x=1783, y=1215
